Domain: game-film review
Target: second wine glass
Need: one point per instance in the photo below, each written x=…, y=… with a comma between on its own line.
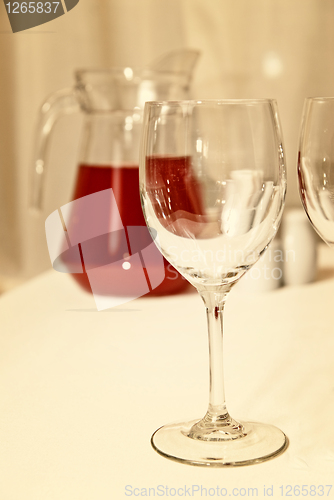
x=212, y=182
x=315, y=165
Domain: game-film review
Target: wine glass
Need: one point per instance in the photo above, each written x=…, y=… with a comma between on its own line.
x=212, y=184
x=315, y=165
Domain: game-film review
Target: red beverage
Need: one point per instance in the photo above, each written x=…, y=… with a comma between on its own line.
x=124, y=181
x=175, y=183
x=175, y=194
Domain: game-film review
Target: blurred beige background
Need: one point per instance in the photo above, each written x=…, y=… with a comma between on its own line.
x=257, y=48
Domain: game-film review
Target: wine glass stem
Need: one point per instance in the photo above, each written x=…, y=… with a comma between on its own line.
x=214, y=303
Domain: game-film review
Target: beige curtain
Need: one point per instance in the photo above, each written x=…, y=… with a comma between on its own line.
x=257, y=48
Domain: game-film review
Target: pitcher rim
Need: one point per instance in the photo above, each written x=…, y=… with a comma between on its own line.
x=127, y=71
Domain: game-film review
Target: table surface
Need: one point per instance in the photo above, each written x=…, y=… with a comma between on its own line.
x=82, y=391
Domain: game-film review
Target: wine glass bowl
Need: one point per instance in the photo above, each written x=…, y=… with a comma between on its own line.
x=316, y=165
x=212, y=184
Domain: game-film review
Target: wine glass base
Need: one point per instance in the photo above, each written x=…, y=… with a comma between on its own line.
x=257, y=443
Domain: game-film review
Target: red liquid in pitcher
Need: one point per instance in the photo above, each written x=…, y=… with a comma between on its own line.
x=173, y=188
x=125, y=184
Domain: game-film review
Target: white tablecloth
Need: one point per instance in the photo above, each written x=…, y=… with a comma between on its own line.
x=81, y=391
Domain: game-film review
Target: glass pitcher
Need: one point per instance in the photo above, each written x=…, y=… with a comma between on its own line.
x=112, y=102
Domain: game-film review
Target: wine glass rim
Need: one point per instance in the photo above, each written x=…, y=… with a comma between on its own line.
x=196, y=102
x=318, y=98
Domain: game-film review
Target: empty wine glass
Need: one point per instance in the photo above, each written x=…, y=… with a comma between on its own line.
x=315, y=165
x=212, y=183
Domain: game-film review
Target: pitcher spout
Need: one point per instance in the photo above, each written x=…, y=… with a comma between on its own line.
x=177, y=61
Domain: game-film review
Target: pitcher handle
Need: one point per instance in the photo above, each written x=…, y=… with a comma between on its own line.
x=57, y=104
